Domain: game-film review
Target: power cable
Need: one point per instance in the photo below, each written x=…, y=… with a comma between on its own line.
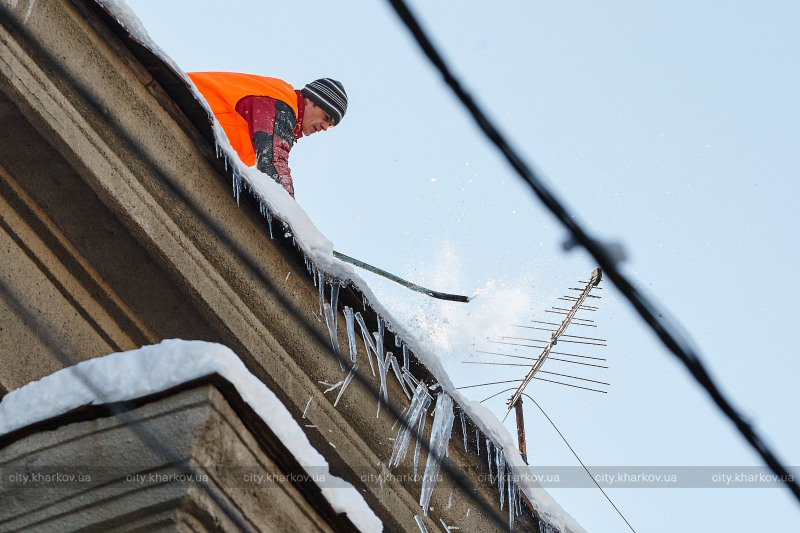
x=647, y=309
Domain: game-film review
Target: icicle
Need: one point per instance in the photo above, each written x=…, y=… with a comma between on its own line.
x=321, y=290
x=305, y=411
x=410, y=379
x=314, y=273
x=440, y=439
x=332, y=387
x=420, y=524
x=489, y=458
x=478, y=440
x=396, y=367
x=448, y=529
x=417, y=409
x=512, y=504
x=544, y=527
x=383, y=369
x=237, y=184
x=501, y=474
x=380, y=335
x=351, y=333
x=330, y=321
x=347, y=381
x=335, y=302
x=450, y=501
x=406, y=361
x=420, y=436
x=369, y=343
x=402, y=417
x=397, y=342
x=269, y=223
x=464, y=429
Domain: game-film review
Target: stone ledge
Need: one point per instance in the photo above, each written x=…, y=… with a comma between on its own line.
x=111, y=478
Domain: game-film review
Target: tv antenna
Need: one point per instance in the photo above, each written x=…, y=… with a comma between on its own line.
x=558, y=333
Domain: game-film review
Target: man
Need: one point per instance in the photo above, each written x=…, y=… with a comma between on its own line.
x=263, y=117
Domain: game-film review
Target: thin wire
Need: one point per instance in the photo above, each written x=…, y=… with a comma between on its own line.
x=591, y=476
x=528, y=366
x=534, y=346
x=677, y=343
x=489, y=383
x=567, y=385
x=562, y=360
x=498, y=394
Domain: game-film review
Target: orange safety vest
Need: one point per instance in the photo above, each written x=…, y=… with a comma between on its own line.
x=223, y=90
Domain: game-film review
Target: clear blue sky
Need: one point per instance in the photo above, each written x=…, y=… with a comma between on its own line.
x=671, y=127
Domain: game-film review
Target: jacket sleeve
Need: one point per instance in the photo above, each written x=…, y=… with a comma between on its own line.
x=271, y=124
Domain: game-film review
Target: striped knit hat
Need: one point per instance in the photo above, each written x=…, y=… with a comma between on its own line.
x=329, y=95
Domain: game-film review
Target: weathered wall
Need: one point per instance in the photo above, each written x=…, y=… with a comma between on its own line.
x=99, y=475
x=117, y=229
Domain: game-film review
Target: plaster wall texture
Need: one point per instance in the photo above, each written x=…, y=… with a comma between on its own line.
x=110, y=479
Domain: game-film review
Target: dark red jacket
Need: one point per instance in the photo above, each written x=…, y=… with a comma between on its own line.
x=274, y=128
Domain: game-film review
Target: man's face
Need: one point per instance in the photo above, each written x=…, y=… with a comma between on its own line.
x=315, y=119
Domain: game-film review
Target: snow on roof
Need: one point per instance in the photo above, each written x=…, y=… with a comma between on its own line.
x=319, y=251
x=129, y=375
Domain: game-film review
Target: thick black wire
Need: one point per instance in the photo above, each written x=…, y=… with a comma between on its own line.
x=247, y=260
x=647, y=309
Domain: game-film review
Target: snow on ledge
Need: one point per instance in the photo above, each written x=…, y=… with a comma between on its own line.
x=129, y=375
